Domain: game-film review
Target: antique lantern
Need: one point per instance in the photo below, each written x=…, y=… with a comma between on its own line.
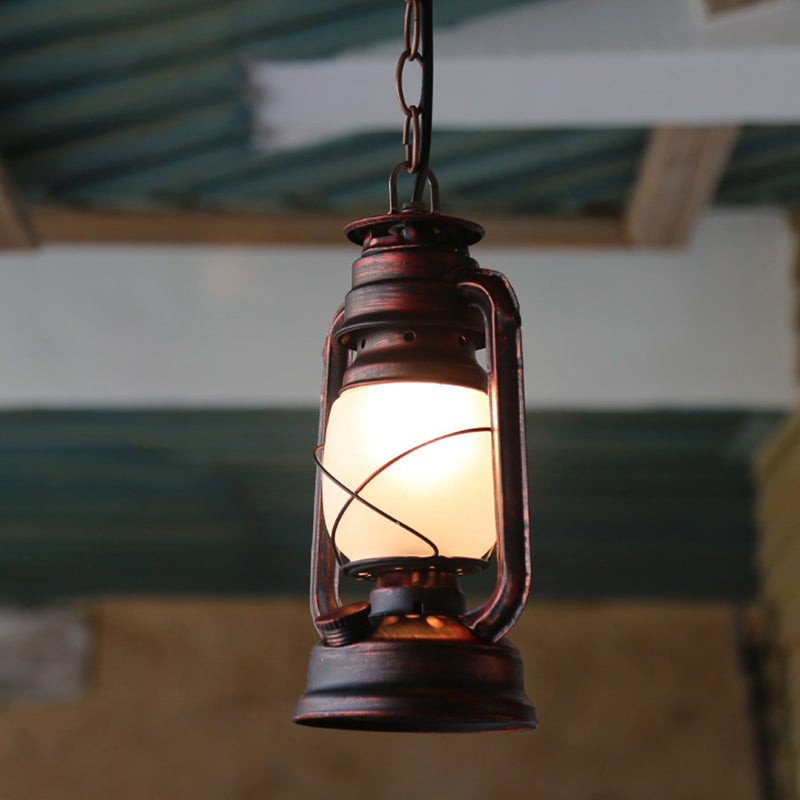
x=422, y=474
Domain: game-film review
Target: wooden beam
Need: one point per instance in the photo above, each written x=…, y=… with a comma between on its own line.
x=16, y=230
x=679, y=175
x=571, y=232
x=719, y=8
x=795, y=220
x=61, y=224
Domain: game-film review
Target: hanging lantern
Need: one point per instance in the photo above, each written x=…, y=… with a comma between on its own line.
x=422, y=478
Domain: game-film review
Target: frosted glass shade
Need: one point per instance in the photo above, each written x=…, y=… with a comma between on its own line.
x=444, y=490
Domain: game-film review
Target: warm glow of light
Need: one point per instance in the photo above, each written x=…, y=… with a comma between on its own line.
x=444, y=490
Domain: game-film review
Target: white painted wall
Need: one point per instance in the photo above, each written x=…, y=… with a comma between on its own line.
x=565, y=63
x=131, y=326
x=587, y=26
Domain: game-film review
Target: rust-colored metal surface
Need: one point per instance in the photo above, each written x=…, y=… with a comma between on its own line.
x=419, y=309
x=492, y=293
x=417, y=674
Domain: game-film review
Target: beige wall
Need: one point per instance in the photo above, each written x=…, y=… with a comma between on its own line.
x=778, y=476
x=779, y=556
x=193, y=700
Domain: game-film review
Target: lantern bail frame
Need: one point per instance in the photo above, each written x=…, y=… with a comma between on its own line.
x=415, y=275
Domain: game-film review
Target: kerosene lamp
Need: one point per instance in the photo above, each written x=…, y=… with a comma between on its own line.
x=421, y=469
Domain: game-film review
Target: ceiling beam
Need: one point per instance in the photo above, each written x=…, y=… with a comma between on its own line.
x=721, y=8
x=16, y=230
x=61, y=224
x=679, y=175
x=680, y=171
x=531, y=66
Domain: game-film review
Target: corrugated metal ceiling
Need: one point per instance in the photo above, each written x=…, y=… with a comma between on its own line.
x=142, y=104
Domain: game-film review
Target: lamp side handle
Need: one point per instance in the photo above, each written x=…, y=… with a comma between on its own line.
x=492, y=294
x=325, y=568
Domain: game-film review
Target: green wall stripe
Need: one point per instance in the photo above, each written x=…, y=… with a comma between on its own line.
x=630, y=504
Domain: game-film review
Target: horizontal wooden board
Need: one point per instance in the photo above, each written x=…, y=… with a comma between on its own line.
x=16, y=231
x=63, y=224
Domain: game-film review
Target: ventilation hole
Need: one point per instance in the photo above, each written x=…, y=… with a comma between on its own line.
x=409, y=336
x=363, y=343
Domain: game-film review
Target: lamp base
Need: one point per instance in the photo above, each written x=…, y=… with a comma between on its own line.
x=417, y=674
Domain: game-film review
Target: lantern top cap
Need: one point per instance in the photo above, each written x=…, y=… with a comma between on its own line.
x=361, y=230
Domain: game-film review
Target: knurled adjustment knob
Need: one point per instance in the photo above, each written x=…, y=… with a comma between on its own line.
x=344, y=625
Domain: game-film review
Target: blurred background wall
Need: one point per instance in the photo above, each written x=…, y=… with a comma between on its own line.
x=174, y=177
x=194, y=699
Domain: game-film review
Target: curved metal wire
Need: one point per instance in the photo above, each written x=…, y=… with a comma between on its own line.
x=354, y=494
x=432, y=182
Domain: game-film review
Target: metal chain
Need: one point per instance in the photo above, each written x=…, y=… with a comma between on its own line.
x=417, y=46
x=411, y=52
x=411, y=26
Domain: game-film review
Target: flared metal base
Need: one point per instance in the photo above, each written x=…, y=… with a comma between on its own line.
x=416, y=684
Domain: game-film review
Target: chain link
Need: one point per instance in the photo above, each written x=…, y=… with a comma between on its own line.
x=411, y=142
x=411, y=127
x=411, y=29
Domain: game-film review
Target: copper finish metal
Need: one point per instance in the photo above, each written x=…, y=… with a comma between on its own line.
x=430, y=178
x=426, y=674
x=415, y=275
x=425, y=664
x=418, y=46
x=412, y=659
x=410, y=139
x=371, y=569
x=325, y=567
x=411, y=28
x=423, y=592
x=492, y=293
x=405, y=58
x=345, y=625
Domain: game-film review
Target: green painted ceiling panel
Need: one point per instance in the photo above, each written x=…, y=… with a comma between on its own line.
x=142, y=104
x=637, y=504
x=764, y=168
